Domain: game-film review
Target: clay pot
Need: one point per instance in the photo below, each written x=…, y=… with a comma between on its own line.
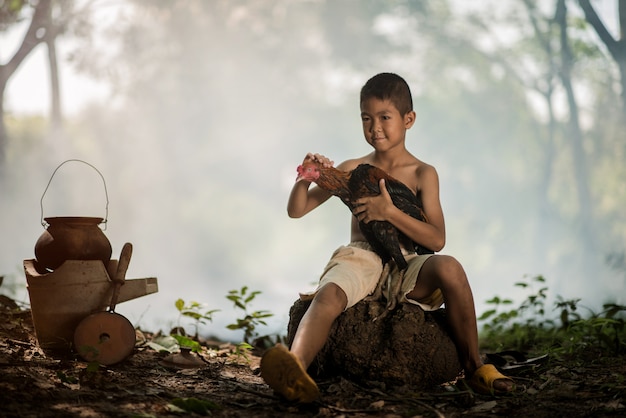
x=72, y=238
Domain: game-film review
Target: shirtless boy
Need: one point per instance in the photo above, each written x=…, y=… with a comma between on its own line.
x=353, y=272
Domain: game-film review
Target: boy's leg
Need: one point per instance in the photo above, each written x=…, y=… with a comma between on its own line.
x=285, y=371
x=446, y=273
x=314, y=327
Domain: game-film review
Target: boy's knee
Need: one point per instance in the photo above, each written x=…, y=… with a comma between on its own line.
x=448, y=267
x=332, y=295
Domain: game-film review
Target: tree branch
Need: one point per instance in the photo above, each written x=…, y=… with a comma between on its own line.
x=594, y=20
x=31, y=40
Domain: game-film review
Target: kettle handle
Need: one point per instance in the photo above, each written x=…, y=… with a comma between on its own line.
x=106, y=194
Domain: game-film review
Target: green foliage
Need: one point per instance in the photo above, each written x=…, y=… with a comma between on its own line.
x=529, y=328
x=243, y=350
x=194, y=310
x=242, y=299
x=193, y=405
x=516, y=327
x=186, y=342
x=605, y=330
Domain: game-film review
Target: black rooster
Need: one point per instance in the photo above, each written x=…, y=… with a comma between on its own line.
x=386, y=240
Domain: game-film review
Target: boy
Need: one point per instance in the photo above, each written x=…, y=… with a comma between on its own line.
x=354, y=270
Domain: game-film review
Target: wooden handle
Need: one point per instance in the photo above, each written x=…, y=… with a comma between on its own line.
x=120, y=274
x=122, y=266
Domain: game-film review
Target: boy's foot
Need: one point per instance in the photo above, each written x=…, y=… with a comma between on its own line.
x=283, y=372
x=487, y=380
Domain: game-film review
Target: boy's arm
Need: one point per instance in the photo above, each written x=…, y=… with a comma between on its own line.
x=303, y=200
x=431, y=234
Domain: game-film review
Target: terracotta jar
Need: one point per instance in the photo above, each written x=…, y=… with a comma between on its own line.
x=72, y=238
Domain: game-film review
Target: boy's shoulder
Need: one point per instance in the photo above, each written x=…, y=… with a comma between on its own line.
x=415, y=173
x=411, y=163
x=423, y=167
x=351, y=164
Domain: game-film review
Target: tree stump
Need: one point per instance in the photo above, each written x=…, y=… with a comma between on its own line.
x=406, y=347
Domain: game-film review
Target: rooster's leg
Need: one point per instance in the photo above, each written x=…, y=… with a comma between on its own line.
x=378, y=291
x=395, y=287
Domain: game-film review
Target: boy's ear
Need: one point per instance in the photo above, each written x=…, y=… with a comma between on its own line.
x=409, y=119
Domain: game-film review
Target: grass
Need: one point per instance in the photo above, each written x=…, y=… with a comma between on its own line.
x=563, y=330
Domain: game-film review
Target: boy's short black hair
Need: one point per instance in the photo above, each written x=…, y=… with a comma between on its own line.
x=389, y=86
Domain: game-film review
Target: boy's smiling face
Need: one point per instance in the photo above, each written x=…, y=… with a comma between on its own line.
x=383, y=125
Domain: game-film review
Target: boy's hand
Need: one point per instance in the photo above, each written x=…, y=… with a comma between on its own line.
x=325, y=161
x=374, y=208
x=319, y=158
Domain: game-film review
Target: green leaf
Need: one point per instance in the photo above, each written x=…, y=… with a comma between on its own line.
x=187, y=342
x=487, y=314
x=180, y=304
x=191, y=314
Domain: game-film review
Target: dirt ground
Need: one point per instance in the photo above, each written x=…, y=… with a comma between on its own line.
x=227, y=385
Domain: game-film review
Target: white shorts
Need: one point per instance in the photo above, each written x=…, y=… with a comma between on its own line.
x=356, y=269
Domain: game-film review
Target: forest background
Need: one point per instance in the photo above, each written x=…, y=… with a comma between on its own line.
x=198, y=112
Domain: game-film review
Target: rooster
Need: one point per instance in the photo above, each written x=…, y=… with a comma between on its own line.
x=385, y=239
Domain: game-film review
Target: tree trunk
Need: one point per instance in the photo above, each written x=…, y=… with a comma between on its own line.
x=56, y=114
x=617, y=48
x=575, y=133
x=406, y=347
x=546, y=90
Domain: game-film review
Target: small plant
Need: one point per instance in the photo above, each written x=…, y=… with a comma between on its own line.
x=243, y=350
x=194, y=311
x=186, y=342
x=568, y=310
x=527, y=327
x=605, y=330
x=242, y=299
x=517, y=327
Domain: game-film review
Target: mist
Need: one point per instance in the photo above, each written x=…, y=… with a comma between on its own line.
x=199, y=135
